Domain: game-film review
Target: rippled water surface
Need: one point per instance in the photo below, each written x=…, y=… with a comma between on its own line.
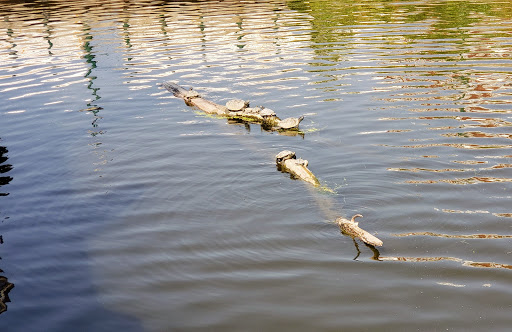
x=123, y=209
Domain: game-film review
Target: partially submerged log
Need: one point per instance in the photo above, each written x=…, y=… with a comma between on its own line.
x=350, y=227
x=239, y=110
x=235, y=109
x=286, y=162
x=192, y=98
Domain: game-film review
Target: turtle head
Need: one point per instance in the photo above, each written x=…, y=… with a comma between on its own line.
x=284, y=155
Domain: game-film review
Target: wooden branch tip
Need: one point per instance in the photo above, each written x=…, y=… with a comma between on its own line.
x=351, y=228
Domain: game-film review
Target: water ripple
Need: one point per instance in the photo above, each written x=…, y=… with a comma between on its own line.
x=176, y=221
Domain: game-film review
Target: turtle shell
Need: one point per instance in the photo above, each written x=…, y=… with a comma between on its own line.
x=235, y=105
x=290, y=123
x=252, y=110
x=303, y=162
x=192, y=94
x=267, y=112
x=284, y=155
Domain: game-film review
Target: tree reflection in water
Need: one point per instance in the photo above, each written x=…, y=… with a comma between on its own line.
x=5, y=285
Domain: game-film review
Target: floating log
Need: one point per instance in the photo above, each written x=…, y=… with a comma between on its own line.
x=350, y=227
x=235, y=109
x=192, y=98
x=286, y=162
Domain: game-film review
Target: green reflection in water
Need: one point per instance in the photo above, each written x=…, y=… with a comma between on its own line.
x=90, y=59
x=337, y=21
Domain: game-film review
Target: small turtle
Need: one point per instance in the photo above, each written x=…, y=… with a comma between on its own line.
x=252, y=110
x=302, y=162
x=284, y=155
x=289, y=123
x=267, y=112
x=191, y=94
x=236, y=105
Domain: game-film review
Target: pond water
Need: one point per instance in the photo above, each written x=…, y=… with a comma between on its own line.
x=122, y=208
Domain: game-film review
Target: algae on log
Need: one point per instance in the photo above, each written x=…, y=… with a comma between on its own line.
x=350, y=227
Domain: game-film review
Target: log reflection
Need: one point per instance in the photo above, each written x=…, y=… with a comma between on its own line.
x=375, y=251
x=453, y=259
x=470, y=236
x=377, y=257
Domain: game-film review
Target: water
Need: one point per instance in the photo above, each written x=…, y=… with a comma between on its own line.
x=124, y=209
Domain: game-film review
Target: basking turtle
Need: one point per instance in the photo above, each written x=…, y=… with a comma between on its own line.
x=191, y=94
x=302, y=162
x=289, y=123
x=298, y=168
x=237, y=105
x=267, y=112
x=252, y=110
x=284, y=155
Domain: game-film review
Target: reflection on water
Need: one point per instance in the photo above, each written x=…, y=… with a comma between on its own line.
x=454, y=259
x=5, y=288
x=377, y=257
x=159, y=215
x=472, y=236
x=4, y=168
x=5, y=285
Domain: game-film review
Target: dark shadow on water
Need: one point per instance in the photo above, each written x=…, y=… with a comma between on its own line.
x=5, y=288
x=5, y=285
x=375, y=251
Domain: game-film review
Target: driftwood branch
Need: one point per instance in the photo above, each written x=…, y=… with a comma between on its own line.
x=350, y=227
x=192, y=99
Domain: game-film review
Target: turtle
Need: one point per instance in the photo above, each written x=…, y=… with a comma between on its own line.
x=237, y=105
x=284, y=155
x=267, y=112
x=252, y=110
x=289, y=123
x=302, y=162
x=191, y=94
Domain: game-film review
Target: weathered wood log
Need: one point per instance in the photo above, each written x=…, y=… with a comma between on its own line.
x=350, y=227
x=192, y=98
x=286, y=162
x=265, y=116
